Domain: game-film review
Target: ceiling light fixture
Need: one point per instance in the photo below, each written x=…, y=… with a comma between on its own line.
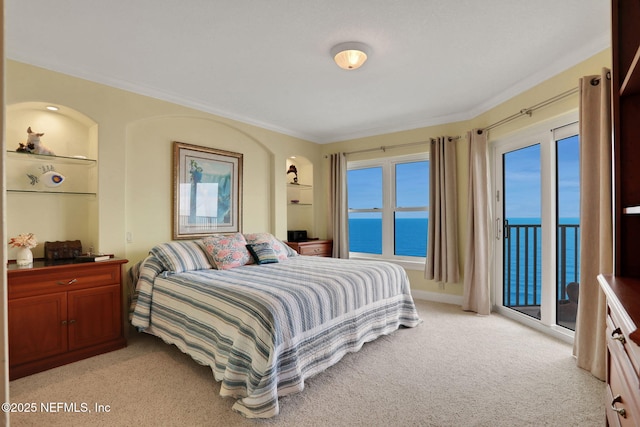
x=350, y=55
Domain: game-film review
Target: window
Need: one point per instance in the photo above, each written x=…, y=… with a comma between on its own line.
x=388, y=207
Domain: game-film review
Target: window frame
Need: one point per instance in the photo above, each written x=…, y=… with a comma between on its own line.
x=388, y=209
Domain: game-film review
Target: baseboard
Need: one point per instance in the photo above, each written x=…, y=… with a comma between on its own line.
x=437, y=297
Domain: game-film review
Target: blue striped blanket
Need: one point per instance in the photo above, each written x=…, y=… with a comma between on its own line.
x=264, y=329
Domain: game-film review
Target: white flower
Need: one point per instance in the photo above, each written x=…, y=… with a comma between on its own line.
x=24, y=241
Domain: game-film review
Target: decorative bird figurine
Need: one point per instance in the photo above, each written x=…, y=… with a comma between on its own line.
x=293, y=170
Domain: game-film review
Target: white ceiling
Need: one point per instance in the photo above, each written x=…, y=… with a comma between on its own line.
x=267, y=62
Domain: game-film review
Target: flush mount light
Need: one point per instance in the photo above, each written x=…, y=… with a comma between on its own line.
x=52, y=108
x=350, y=55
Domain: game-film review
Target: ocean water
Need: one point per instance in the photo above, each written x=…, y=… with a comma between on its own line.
x=523, y=259
x=365, y=235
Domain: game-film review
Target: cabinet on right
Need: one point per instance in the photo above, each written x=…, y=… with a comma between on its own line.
x=626, y=134
x=622, y=398
x=623, y=288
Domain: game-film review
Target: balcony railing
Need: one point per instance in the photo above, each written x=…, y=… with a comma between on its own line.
x=523, y=264
x=568, y=257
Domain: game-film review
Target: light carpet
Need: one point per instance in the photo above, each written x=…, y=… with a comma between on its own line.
x=455, y=369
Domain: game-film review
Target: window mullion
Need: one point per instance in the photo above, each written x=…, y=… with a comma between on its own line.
x=388, y=193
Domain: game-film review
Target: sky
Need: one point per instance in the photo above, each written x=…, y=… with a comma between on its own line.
x=522, y=181
x=522, y=184
x=412, y=188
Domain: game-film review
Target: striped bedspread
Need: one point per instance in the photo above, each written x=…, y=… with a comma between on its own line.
x=264, y=329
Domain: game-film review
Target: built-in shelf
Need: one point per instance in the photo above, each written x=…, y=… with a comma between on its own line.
x=26, y=173
x=51, y=192
x=78, y=160
x=301, y=192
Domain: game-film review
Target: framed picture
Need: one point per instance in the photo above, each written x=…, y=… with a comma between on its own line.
x=207, y=191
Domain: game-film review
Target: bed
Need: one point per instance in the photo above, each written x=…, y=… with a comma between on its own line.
x=265, y=327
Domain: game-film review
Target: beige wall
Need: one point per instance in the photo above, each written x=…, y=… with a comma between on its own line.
x=548, y=89
x=135, y=135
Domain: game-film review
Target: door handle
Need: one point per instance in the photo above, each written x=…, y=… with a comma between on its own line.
x=617, y=335
x=621, y=411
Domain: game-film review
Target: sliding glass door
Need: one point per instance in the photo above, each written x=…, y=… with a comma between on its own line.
x=537, y=199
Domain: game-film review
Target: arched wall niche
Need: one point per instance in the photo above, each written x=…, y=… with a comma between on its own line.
x=67, y=132
x=67, y=212
x=300, y=195
x=149, y=169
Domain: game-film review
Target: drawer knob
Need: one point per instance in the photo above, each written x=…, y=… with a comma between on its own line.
x=617, y=335
x=620, y=411
x=70, y=282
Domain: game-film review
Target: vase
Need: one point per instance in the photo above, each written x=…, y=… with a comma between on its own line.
x=24, y=257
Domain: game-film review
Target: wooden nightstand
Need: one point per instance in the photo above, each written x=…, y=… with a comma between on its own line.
x=313, y=247
x=63, y=312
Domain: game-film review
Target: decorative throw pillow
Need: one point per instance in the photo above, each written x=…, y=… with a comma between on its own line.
x=180, y=256
x=277, y=246
x=227, y=251
x=262, y=253
x=290, y=251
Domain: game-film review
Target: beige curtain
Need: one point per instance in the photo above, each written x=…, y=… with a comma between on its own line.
x=442, y=240
x=338, y=208
x=596, y=223
x=476, y=293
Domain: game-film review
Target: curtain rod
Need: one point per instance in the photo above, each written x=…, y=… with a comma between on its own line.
x=529, y=111
x=409, y=144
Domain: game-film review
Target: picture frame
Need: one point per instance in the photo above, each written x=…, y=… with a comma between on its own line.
x=207, y=191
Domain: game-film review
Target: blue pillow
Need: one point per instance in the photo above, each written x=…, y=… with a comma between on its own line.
x=262, y=253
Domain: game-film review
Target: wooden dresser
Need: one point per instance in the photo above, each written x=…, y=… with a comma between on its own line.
x=623, y=288
x=313, y=247
x=623, y=350
x=62, y=312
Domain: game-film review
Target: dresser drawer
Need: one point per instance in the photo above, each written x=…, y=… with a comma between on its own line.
x=22, y=283
x=618, y=337
x=315, y=249
x=622, y=402
x=622, y=407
